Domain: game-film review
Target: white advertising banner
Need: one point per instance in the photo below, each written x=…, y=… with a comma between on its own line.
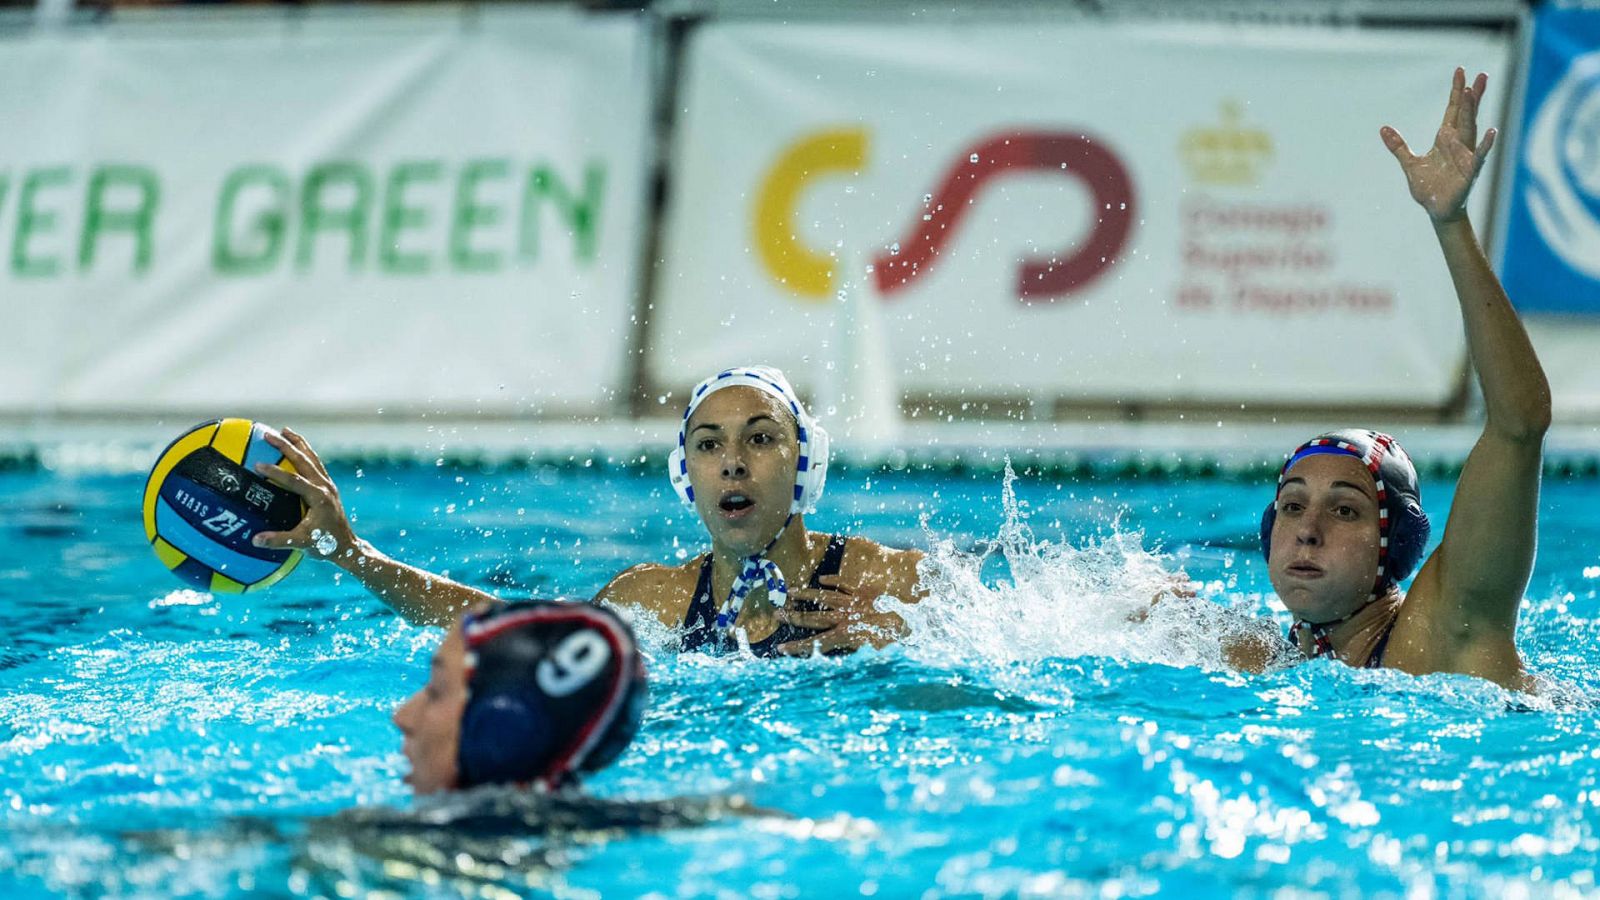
x=403, y=209
x=1144, y=213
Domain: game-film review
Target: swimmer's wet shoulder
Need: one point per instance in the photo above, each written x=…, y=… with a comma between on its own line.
x=663, y=591
x=840, y=574
x=893, y=569
x=1432, y=634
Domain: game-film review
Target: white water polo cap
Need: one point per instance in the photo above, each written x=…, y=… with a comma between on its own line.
x=811, y=470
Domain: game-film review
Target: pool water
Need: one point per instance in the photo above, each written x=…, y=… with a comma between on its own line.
x=1025, y=740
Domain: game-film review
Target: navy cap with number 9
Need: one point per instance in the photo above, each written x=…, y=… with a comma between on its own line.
x=554, y=688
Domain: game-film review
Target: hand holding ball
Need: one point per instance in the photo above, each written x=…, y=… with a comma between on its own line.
x=205, y=503
x=232, y=505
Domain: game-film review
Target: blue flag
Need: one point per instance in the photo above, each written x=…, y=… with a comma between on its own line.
x=1550, y=260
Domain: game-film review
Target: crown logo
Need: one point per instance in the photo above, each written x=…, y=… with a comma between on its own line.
x=1229, y=154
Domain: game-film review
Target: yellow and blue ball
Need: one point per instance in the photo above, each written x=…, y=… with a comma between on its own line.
x=204, y=502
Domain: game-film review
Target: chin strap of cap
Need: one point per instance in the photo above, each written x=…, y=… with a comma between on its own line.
x=1367, y=642
x=756, y=571
x=1320, y=634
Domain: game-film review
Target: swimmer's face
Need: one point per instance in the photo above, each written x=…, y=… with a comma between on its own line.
x=1325, y=538
x=742, y=448
x=431, y=719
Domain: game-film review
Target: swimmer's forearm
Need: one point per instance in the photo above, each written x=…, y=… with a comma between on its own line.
x=1516, y=395
x=421, y=597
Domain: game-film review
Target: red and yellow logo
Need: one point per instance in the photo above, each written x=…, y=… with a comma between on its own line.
x=809, y=272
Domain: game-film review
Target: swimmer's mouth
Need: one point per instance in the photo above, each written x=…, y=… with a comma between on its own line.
x=1306, y=570
x=735, y=503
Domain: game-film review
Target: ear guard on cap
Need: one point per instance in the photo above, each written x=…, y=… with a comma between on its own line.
x=678, y=471
x=504, y=737
x=811, y=478
x=554, y=688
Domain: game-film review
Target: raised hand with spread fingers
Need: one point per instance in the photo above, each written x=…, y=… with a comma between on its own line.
x=1441, y=178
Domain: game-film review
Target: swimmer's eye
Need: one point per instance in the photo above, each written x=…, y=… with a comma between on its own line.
x=761, y=439
x=1290, y=506
x=1347, y=512
x=705, y=445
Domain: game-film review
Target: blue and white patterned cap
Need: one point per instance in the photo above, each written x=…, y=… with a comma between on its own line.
x=811, y=471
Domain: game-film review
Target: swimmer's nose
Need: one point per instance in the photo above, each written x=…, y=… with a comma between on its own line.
x=399, y=717
x=1309, y=534
x=733, y=467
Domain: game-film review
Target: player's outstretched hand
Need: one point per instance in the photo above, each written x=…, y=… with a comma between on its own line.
x=1441, y=178
x=325, y=530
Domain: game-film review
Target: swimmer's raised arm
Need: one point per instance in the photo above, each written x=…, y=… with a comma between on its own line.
x=325, y=533
x=1471, y=587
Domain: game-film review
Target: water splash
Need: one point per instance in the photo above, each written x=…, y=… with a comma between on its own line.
x=1110, y=597
x=653, y=636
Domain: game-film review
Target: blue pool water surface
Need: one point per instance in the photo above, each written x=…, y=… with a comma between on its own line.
x=1025, y=740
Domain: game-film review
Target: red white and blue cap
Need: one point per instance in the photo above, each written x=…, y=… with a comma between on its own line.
x=1403, y=527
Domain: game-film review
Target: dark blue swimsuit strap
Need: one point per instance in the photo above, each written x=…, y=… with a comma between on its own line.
x=832, y=561
x=699, y=623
